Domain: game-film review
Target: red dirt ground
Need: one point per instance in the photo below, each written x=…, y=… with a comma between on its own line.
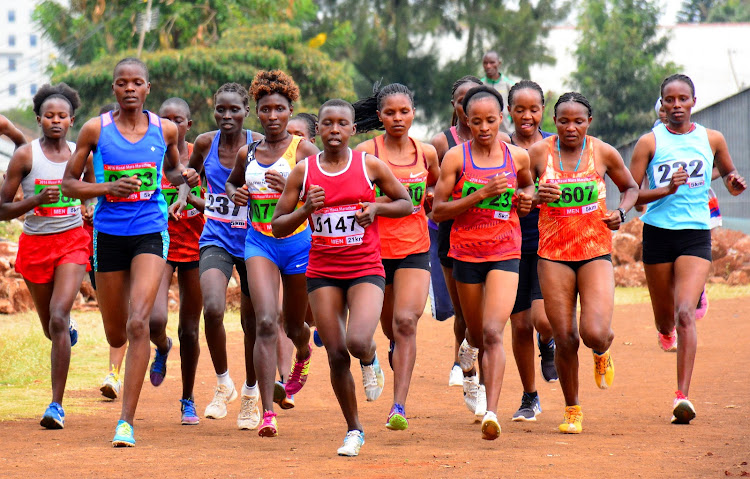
x=626, y=429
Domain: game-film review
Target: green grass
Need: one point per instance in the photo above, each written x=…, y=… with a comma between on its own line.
x=715, y=291
x=11, y=230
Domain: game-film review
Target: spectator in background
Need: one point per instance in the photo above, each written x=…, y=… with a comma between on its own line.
x=493, y=77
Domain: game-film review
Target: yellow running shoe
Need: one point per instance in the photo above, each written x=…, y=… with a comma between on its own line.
x=604, y=370
x=573, y=422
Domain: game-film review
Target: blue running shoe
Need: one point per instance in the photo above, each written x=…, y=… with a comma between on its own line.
x=54, y=417
x=397, y=418
x=159, y=365
x=73, y=328
x=316, y=338
x=189, y=416
x=123, y=435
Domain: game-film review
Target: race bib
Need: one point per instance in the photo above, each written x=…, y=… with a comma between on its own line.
x=336, y=226
x=171, y=193
x=146, y=172
x=220, y=208
x=578, y=196
x=415, y=187
x=501, y=205
x=65, y=206
x=662, y=173
x=263, y=206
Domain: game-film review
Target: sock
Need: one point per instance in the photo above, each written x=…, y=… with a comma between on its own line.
x=598, y=353
x=250, y=390
x=224, y=379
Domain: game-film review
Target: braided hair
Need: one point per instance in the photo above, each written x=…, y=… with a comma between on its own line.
x=573, y=96
x=523, y=85
x=366, y=109
x=233, y=88
x=310, y=120
x=61, y=90
x=479, y=92
x=456, y=85
x=678, y=77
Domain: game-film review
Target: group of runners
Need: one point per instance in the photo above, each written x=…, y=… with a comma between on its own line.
x=339, y=239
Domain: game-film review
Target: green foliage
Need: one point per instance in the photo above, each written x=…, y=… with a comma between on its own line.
x=714, y=11
x=617, y=65
x=695, y=11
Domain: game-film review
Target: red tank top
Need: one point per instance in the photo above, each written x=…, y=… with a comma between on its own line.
x=489, y=230
x=400, y=237
x=341, y=248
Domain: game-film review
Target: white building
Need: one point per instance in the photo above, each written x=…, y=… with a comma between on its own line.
x=24, y=54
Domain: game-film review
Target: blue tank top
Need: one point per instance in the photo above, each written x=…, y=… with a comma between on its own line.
x=530, y=222
x=144, y=211
x=687, y=208
x=226, y=223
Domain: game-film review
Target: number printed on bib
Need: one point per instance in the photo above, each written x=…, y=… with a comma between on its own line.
x=501, y=205
x=220, y=208
x=263, y=205
x=578, y=196
x=65, y=206
x=146, y=172
x=170, y=194
x=695, y=168
x=336, y=226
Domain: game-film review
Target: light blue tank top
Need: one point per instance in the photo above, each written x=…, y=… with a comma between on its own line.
x=144, y=211
x=226, y=223
x=687, y=208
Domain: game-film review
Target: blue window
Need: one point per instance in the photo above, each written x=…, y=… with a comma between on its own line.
x=32, y=89
x=32, y=40
x=12, y=89
x=11, y=40
x=11, y=16
x=11, y=64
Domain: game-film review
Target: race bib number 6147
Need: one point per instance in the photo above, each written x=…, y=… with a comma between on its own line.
x=336, y=226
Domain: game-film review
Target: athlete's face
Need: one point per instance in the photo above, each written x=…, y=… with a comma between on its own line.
x=336, y=126
x=55, y=118
x=274, y=111
x=526, y=111
x=130, y=86
x=177, y=115
x=300, y=128
x=572, y=121
x=397, y=114
x=677, y=101
x=458, y=100
x=230, y=112
x=491, y=65
x=484, y=119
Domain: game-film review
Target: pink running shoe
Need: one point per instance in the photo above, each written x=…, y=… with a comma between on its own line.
x=298, y=376
x=269, y=426
x=702, y=308
x=668, y=342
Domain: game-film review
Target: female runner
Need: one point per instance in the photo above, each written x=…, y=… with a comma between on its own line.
x=404, y=242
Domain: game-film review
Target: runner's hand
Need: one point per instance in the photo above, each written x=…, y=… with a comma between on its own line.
x=241, y=196
x=275, y=180
x=524, y=204
x=366, y=214
x=316, y=197
x=497, y=185
x=429, y=199
x=192, y=178
x=50, y=194
x=175, y=210
x=87, y=213
x=612, y=220
x=548, y=193
x=735, y=184
x=124, y=187
x=678, y=179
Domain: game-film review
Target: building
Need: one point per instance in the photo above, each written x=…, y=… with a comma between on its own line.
x=25, y=54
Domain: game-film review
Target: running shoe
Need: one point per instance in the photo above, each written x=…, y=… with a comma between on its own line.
x=111, y=386
x=683, y=411
x=189, y=415
x=316, y=338
x=73, y=330
x=397, y=418
x=159, y=365
x=573, y=422
x=490, y=426
x=456, y=377
x=123, y=435
x=373, y=379
x=217, y=408
x=54, y=417
x=391, y=345
x=352, y=443
x=280, y=397
x=530, y=407
x=467, y=356
x=298, y=376
x=471, y=389
x=547, y=353
x=270, y=427
x=702, y=308
x=249, y=416
x=604, y=370
x=481, y=409
x=668, y=342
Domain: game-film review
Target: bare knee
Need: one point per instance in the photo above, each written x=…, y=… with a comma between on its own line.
x=359, y=347
x=266, y=325
x=58, y=323
x=567, y=341
x=405, y=324
x=339, y=359
x=213, y=314
x=684, y=316
x=492, y=336
x=188, y=334
x=137, y=328
x=597, y=337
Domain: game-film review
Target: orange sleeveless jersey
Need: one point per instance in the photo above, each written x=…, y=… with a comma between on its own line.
x=489, y=230
x=571, y=229
x=400, y=237
x=183, y=234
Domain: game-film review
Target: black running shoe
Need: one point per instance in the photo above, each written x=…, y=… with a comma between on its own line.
x=547, y=353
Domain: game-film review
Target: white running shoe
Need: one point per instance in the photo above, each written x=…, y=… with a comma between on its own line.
x=490, y=426
x=373, y=379
x=467, y=356
x=249, y=416
x=352, y=443
x=471, y=389
x=111, y=386
x=456, y=377
x=217, y=408
x=481, y=409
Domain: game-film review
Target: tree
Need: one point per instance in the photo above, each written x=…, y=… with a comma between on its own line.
x=714, y=11
x=618, y=70
x=695, y=11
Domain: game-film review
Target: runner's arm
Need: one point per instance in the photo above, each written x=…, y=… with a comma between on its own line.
x=18, y=168
x=620, y=175
x=8, y=129
x=722, y=159
x=642, y=156
x=235, y=185
x=72, y=185
x=400, y=204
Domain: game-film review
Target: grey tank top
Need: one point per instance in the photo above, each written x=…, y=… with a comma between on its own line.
x=54, y=217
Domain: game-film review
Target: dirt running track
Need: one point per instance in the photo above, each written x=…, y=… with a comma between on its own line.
x=626, y=429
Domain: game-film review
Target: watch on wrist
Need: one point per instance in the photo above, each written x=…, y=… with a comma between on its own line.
x=622, y=215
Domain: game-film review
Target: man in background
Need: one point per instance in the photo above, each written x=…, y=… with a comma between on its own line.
x=494, y=78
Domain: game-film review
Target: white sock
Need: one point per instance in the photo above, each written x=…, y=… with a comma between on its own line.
x=224, y=379
x=250, y=391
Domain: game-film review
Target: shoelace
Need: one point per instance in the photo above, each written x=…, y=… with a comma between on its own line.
x=573, y=415
x=602, y=363
x=527, y=402
x=124, y=429
x=248, y=406
x=221, y=395
x=299, y=368
x=352, y=437
x=679, y=395
x=370, y=378
x=188, y=408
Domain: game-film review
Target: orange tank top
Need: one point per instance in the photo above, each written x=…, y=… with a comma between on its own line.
x=184, y=234
x=489, y=230
x=571, y=229
x=400, y=237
